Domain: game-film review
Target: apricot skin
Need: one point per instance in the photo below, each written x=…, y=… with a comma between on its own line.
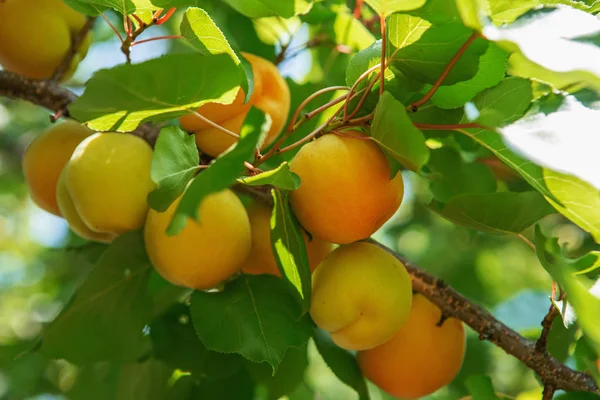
x=271, y=95
x=346, y=192
x=204, y=253
x=70, y=214
x=421, y=357
x=361, y=295
x=37, y=35
x=45, y=158
x=108, y=179
x=262, y=259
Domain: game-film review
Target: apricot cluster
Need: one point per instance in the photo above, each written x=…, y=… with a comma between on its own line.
x=36, y=35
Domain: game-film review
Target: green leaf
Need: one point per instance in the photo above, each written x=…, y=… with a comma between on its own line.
x=492, y=67
x=289, y=248
x=502, y=212
x=174, y=163
x=425, y=50
x=280, y=177
x=558, y=40
x=481, y=387
x=393, y=130
x=573, y=198
x=255, y=316
x=501, y=104
x=148, y=380
x=175, y=342
x=223, y=172
x=451, y=176
x=123, y=7
x=342, y=363
x=268, y=8
x=121, y=98
x=201, y=32
x=361, y=62
x=238, y=386
x=565, y=140
x=288, y=377
x=349, y=31
x=105, y=318
x=582, y=293
x=389, y=7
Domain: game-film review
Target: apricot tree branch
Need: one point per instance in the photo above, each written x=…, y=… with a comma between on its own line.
x=554, y=374
x=76, y=43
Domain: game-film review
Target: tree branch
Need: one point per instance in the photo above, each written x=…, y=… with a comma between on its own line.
x=554, y=374
x=76, y=43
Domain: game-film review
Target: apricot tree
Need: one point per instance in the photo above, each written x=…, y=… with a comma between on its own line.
x=233, y=216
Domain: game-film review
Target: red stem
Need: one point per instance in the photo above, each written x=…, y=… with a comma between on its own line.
x=414, y=106
x=156, y=38
x=165, y=17
x=358, y=9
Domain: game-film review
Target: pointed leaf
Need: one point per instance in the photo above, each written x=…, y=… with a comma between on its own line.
x=559, y=40
x=280, y=177
x=121, y=98
x=393, y=130
x=481, y=387
x=106, y=317
x=565, y=140
x=289, y=248
x=223, y=172
x=174, y=163
x=501, y=212
x=255, y=316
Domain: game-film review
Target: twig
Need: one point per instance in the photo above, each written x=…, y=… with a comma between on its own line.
x=216, y=126
x=358, y=9
x=553, y=373
x=542, y=342
x=415, y=106
x=76, y=43
x=292, y=126
x=548, y=392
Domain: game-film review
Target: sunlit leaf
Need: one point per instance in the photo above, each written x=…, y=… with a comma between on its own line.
x=280, y=177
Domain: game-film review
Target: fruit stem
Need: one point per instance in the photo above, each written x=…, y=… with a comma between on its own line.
x=76, y=43
x=217, y=126
x=305, y=139
x=415, y=106
x=353, y=88
x=293, y=125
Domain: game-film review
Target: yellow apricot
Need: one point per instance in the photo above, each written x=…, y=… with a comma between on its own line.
x=262, y=259
x=35, y=36
x=421, y=358
x=271, y=95
x=205, y=252
x=69, y=213
x=346, y=192
x=361, y=295
x=108, y=179
x=45, y=158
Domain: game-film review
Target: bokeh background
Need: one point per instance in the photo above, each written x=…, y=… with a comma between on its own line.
x=41, y=261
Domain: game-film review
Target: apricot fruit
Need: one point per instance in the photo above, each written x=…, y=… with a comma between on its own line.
x=45, y=158
x=205, y=252
x=271, y=95
x=422, y=357
x=346, y=192
x=108, y=180
x=36, y=35
x=261, y=259
x=69, y=213
x=361, y=295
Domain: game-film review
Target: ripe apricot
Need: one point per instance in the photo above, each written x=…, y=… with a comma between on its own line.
x=45, y=158
x=262, y=259
x=108, y=180
x=205, y=252
x=346, y=192
x=271, y=95
x=421, y=358
x=36, y=35
x=69, y=213
x=361, y=294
